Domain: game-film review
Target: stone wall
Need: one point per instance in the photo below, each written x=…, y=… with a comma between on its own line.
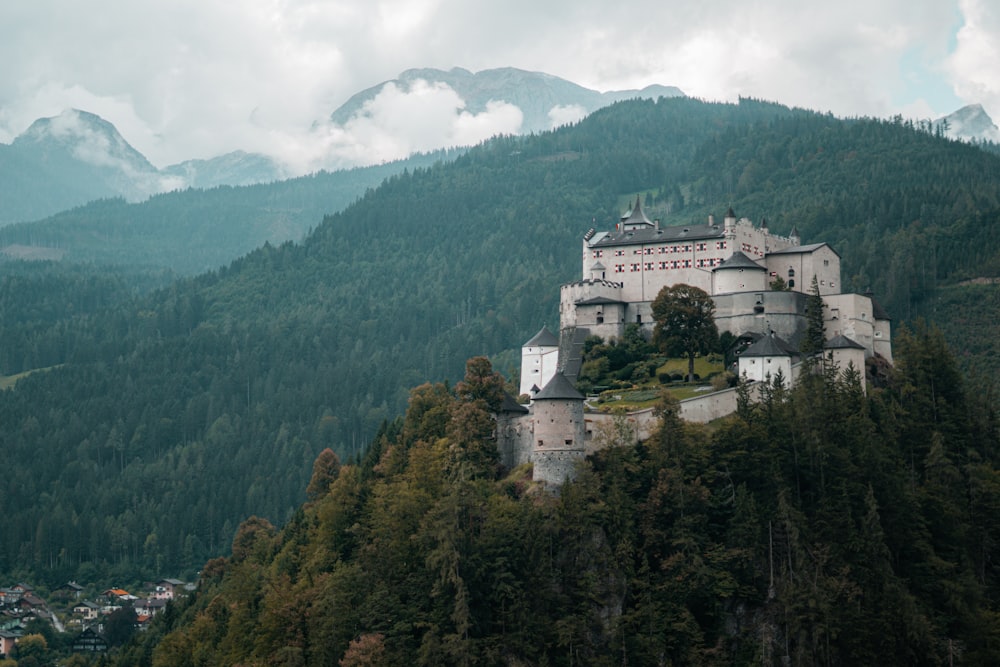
x=703, y=409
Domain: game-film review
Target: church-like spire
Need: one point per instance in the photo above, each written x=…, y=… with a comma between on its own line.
x=636, y=218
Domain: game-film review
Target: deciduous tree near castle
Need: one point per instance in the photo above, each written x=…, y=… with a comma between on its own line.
x=685, y=322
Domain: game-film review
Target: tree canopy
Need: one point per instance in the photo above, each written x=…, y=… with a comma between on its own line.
x=685, y=322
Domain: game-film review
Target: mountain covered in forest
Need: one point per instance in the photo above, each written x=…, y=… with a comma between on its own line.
x=147, y=426
x=817, y=525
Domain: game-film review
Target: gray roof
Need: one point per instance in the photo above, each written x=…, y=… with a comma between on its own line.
x=597, y=266
x=769, y=346
x=597, y=301
x=559, y=388
x=511, y=405
x=544, y=338
x=802, y=249
x=659, y=235
x=842, y=342
x=739, y=261
x=636, y=216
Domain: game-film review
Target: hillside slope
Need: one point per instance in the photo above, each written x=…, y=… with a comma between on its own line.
x=170, y=420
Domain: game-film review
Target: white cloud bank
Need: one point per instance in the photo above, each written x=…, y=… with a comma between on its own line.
x=198, y=78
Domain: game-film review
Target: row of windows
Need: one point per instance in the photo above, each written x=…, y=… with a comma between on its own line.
x=665, y=249
x=667, y=265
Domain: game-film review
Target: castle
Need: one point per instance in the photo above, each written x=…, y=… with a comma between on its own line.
x=738, y=264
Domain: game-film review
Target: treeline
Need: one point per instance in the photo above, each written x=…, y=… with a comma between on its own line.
x=195, y=230
x=167, y=418
x=816, y=526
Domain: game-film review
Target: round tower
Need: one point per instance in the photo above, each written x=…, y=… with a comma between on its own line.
x=559, y=431
x=739, y=273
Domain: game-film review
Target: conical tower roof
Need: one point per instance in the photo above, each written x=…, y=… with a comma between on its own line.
x=768, y=346
x=544, y=338
x=738, y=260
x=842, y=342
x=559, y=388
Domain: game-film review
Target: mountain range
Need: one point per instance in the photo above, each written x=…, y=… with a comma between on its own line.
x=177, y=413
x=76, y=157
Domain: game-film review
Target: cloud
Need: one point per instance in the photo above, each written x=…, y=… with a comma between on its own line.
x=564, y=114
x=973, y=65
x=396, y=123
x=197, y=78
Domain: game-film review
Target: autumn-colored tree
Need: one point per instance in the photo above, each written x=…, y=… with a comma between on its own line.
x=325, y=470
x=368, y=650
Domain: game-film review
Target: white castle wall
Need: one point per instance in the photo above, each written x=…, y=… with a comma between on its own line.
x=850, y=315
x=761, y=312
x=538, y=365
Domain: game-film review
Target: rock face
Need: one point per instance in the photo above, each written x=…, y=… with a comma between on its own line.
x=969, y=122
x=545, y=100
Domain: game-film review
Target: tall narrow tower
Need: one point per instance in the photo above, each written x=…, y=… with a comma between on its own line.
x=539, y=360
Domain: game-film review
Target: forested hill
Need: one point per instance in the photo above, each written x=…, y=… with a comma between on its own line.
x=195, y=230
x=163, y=422
x=819, y=526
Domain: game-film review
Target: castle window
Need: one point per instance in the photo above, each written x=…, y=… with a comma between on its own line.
x=619, y=253
x=720, y=245
x=663, y=250
x=600, y=319
x=638, y=319
x=619, y=268
x=791, y=272
x=663, y=265
x=635, y=266
x=826, y=262
x=791, y=284
x=649, y=266
x=569, y=442
x=648, y=251
x=541, y=443
x=598, y=254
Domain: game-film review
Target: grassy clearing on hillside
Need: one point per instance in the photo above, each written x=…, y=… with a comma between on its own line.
x=8, y=381
x=646, y=394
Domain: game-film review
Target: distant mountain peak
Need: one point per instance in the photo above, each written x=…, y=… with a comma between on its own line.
x=543, y=99
x=86, y=137
x=970, y=122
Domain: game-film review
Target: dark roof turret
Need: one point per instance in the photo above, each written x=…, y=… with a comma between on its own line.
x=544, y=338
x=559, y=388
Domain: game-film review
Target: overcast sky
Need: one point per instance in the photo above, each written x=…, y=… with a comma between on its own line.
x=187, y=79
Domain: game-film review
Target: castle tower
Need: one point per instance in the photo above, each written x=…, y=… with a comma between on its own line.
x=559, y=431
x=845, y=352
x=739, y=273
x=763, y=360
x=539, y=360
x=729, y=225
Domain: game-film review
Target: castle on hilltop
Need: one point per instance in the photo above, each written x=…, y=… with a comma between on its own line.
x=738, y=264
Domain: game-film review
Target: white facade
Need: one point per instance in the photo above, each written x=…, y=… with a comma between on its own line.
x=539, y=361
